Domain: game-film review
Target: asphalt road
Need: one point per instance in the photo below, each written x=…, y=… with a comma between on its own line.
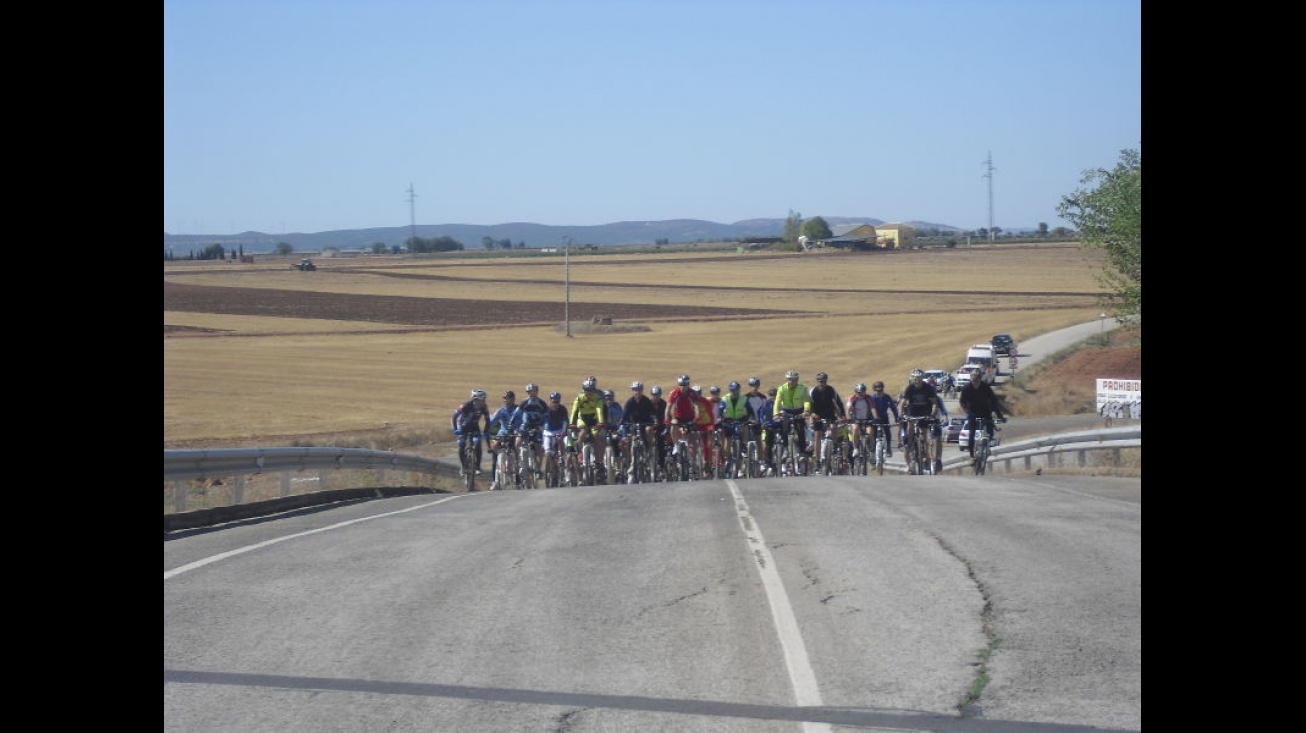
x=866, y=602
x=937, y=603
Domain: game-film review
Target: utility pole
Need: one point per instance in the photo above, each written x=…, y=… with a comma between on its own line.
x=566, y=258
x=988, y=168
x=412, y=215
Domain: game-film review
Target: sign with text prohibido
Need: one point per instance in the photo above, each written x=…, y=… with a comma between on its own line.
x=1121, y=398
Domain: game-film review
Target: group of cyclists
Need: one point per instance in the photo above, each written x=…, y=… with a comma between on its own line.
x=597, y=416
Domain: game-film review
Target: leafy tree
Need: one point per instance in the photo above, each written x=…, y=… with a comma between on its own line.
x=1110, y=217
x=817, y=228
x=793, y=226
x=1042, y=229
x=283, y=248
x=378, y=248
x=487, y=242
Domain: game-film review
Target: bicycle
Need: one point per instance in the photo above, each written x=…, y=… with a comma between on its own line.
x=467, y=458
x=639, y=468
x=916, y=446
x=981, y=437
x=687, y=454
x=864, y=453
x=795, y=462
x=529, y=456
x=553, y=461
x=752, y=457
x=505, y=464
x=881, y=446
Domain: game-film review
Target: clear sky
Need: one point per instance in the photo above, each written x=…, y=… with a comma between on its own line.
x=286, y=116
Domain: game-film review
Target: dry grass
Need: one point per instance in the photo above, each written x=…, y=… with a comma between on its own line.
x=276, y=381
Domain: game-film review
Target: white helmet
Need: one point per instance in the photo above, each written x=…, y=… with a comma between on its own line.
x=478, y=394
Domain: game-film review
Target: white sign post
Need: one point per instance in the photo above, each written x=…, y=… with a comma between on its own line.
x=1120, y=398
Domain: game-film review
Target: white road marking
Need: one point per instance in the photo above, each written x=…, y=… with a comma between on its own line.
x=232, y=553
x=806, y=692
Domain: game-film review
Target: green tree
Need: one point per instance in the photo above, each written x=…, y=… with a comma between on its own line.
x=283, y=248
x=1042, y=229
x=793, y=226
x=817, y=228
x=378, y=248
x=1110, y=217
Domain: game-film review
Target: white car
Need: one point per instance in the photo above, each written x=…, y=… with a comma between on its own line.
x=963, y=437
x=964, y=373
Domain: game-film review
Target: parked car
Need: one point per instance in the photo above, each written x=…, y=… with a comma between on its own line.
x=936, y=377
x=964, y=373
x=952, y=430
x=1003, y=344
x=963, y=437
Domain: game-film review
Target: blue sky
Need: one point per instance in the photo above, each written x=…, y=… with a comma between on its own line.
x=314, y=115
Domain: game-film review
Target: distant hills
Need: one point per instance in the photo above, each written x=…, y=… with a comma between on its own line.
x=533, y=236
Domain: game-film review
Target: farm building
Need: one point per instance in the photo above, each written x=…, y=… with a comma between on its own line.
x=896, y=236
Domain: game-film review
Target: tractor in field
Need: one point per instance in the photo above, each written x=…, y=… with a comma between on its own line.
x=305, y=265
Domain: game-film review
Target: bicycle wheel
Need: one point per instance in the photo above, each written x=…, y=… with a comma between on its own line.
x=550, y=470
x=751, y=463
x=469, y=466
x=980, y=462
x=587, y=465
x=880, y=450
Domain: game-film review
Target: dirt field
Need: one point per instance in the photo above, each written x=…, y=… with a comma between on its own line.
x=265, y=355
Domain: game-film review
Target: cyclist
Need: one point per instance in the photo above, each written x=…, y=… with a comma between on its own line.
x=861, y=410
x=919, y=399
x=827, y=409
x=705, y=419
x=587, y=416
x=979, y=402
x=794, y=400
x=612, y=419
x=734, y=412
x=770, y=427
x=659, y=420
x=530, y=413
x=714, y=396
x=638, y=419
x=467, y=424
x=882, y=405
x=555, y=422
x=498, y=428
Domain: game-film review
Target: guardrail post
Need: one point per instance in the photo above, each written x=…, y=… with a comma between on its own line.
x=322, y=484
x=179, y=495
x=285, y=484
x=238, y=493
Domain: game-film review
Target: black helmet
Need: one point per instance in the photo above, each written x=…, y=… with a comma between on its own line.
x=510, y=395
x=683, y=380
x=754, y=381
x=656, y=389
x=771, y=392
x=555, y=396
x=714, y=389
x=732, y=386
x=822, y=376
x=860, y=388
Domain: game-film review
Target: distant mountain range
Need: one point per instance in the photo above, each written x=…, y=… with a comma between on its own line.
x=534, y=236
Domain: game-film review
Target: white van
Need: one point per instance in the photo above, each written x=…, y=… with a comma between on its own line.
x=982, y=356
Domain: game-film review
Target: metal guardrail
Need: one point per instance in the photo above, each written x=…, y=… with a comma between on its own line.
x=1049, y=450
x=180, y=466
x=196, y=464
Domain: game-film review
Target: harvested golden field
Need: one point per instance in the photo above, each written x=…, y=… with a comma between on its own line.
x=263, y=354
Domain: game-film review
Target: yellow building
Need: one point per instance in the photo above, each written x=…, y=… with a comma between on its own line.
x=895, y=236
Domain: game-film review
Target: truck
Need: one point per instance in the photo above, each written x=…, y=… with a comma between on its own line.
x=982, y=356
